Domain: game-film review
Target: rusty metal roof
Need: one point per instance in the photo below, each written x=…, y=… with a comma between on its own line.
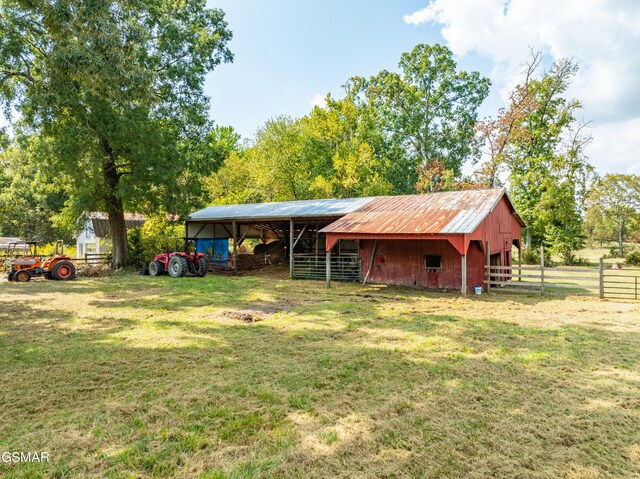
x=99, y=222
x=282, y=210
x=452, y=212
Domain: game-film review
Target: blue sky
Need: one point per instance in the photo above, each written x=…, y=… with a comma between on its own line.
x=288, y=52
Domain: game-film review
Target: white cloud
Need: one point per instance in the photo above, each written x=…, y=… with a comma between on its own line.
x=616, y=147
x=602, y=35
x=318, y=100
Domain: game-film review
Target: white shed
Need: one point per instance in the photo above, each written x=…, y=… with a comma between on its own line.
x=94, y=237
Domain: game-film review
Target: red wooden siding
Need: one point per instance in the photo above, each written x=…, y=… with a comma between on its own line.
x=403, y=263
x=500, y=228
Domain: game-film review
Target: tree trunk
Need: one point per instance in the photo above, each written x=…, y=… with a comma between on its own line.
x=620, y=240
x=115, y=210
x=120, y=255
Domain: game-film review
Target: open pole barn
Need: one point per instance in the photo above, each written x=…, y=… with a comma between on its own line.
x=281, y=229
x=437, y=241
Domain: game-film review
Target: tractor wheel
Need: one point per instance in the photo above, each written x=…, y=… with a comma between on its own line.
x=10, y=276
x=178, y=266
x=22, y=276
x=63, y=270
x=201, y=266
x=156, y=268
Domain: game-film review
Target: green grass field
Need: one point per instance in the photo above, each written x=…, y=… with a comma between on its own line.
x=261, y=376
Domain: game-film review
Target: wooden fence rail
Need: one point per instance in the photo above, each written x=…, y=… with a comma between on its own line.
x=93, y=258
x=601, y=281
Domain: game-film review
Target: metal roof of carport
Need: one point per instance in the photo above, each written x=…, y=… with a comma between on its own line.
x=283, y=210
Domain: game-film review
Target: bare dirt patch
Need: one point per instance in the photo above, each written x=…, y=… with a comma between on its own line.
x=245, y=316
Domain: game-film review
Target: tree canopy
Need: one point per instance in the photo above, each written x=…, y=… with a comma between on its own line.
x=111, y=116
x=383, y=137
x=538, y=144
x=614, y=206
x=115, y=91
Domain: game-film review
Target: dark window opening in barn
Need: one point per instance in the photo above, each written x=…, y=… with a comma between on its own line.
x=433, y=263
x=347, y=246
x=494, y=260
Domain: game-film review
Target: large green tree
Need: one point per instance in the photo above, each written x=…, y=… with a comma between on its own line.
x=355, y=157
x=429, y=108
x=337, y=151
x=615, y=200
x=537, y=143
x=116, y=89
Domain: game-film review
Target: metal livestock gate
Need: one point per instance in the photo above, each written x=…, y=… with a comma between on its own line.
x=344, y=267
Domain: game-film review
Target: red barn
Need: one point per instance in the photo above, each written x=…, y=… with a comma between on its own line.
x=435, y=241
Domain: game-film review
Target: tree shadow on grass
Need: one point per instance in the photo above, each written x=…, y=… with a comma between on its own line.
x=363, y=394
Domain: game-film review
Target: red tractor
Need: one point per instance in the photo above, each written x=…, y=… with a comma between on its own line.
x=179, y=263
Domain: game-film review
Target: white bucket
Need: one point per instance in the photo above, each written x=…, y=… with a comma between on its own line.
x=478, y=289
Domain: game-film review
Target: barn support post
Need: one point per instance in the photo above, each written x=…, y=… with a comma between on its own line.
x=464, y=275
x=328, y=268
x=520, y=260
x=487, y=273
x=234, y=233
x=291, y=248
x=541, y=269
x=602, y=278
x=317, y=239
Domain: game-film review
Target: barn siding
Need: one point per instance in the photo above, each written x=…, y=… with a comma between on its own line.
x=401, y=262
x=500, y=228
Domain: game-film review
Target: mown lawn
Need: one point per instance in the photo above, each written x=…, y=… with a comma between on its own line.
x=134, y=376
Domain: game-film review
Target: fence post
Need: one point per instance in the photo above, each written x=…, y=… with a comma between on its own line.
x=487, y=273
x=520, y=260
x=541, y=269
x=601, y=278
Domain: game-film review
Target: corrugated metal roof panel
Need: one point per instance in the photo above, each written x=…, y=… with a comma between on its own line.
x=453, y=212
x=282, y=210
x=100, y=222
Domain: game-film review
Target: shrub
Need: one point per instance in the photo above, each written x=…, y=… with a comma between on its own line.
x=156, y=236
x=532, y=256
x=633, y=258
x=614, y=251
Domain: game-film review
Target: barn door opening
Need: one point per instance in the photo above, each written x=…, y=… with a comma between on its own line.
x=494, y=260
